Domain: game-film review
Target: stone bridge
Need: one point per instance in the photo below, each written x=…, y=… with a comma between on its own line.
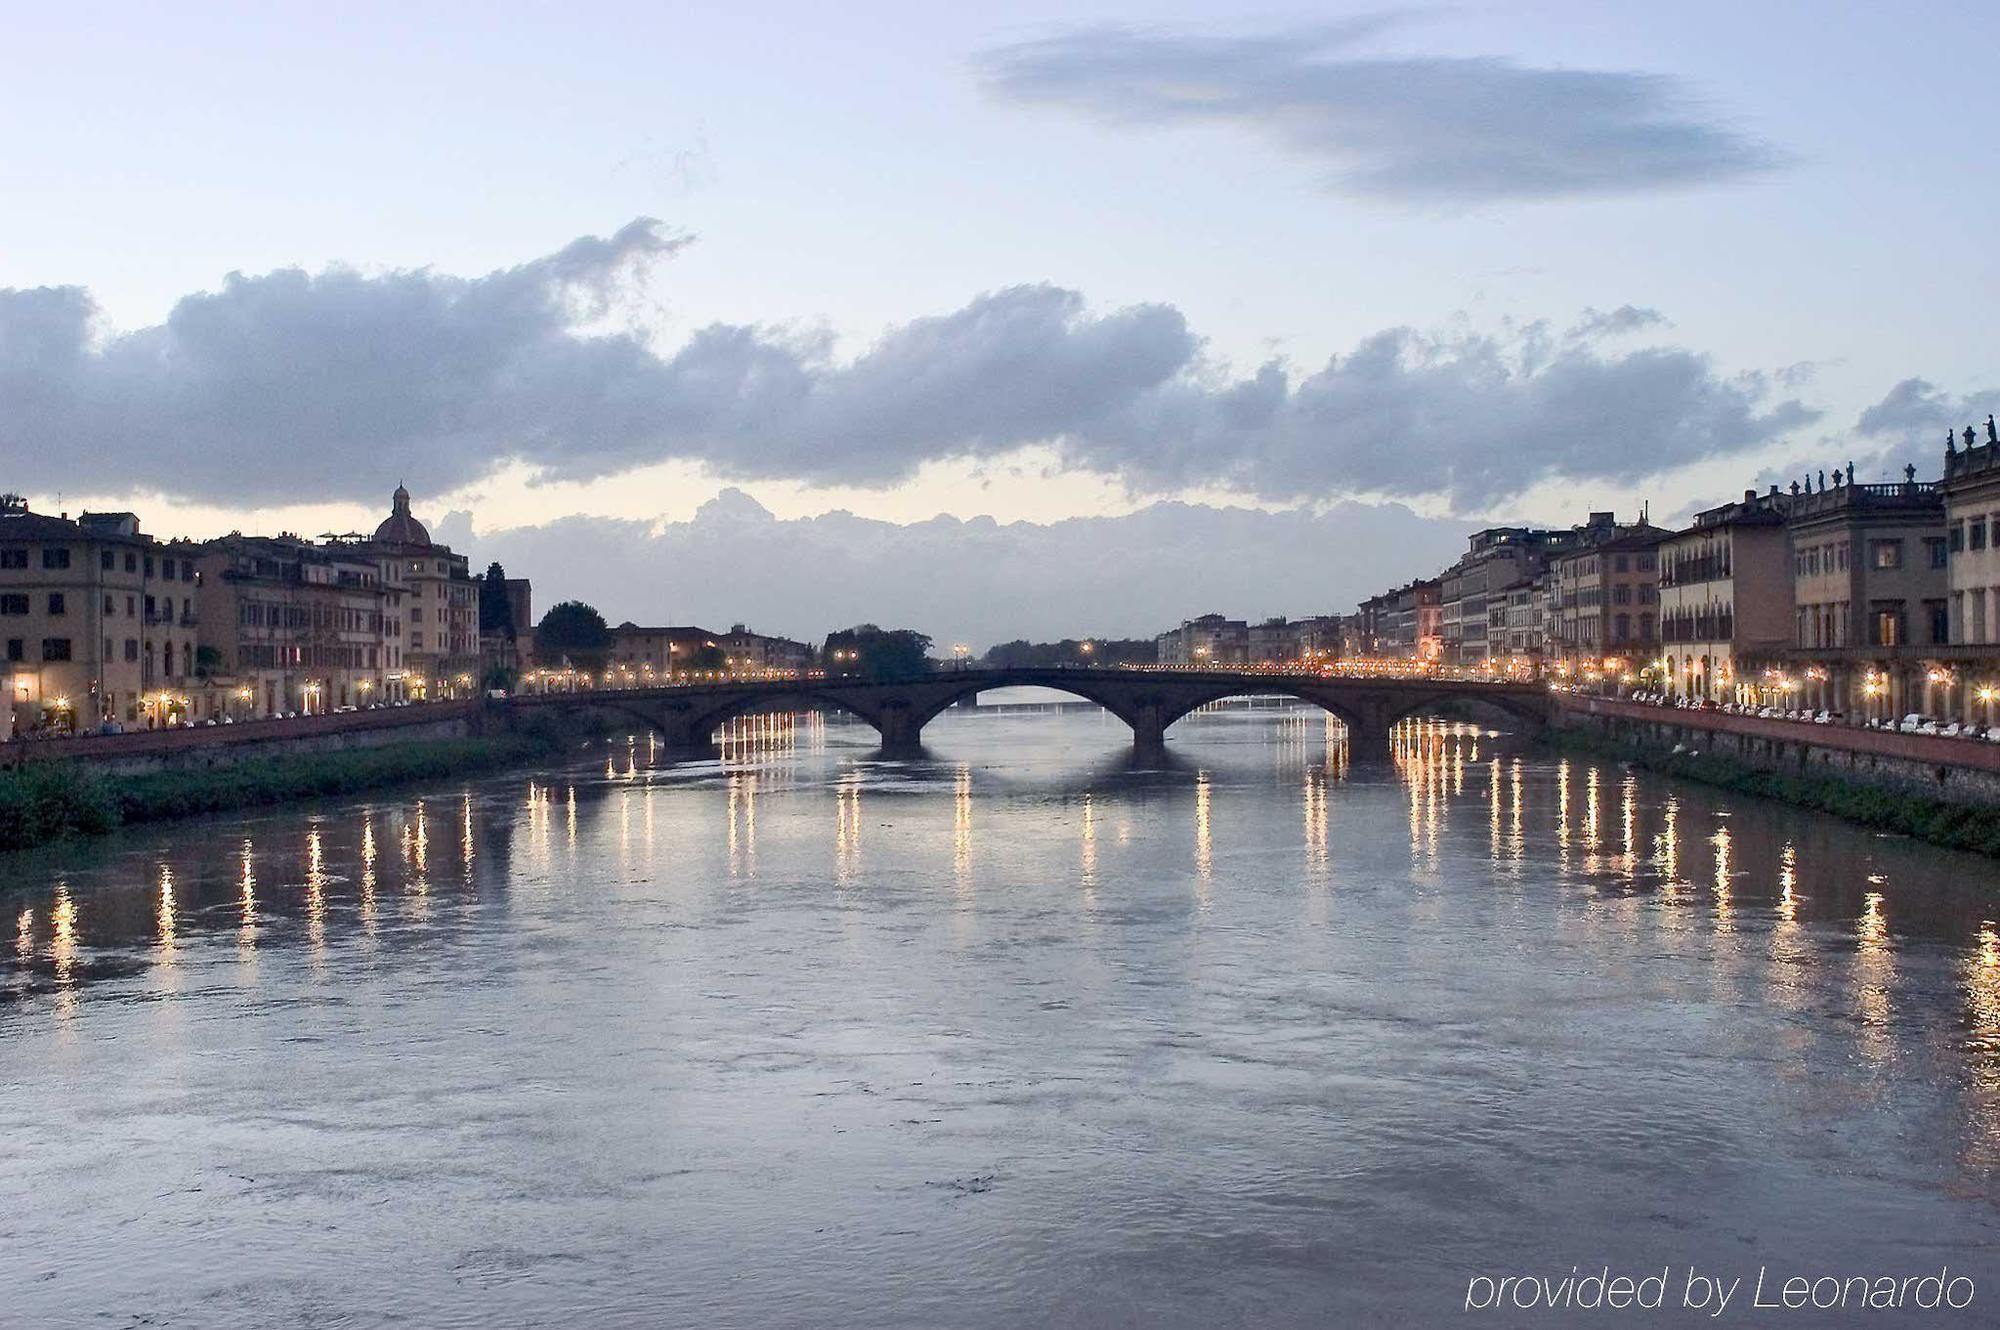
x=687, y=715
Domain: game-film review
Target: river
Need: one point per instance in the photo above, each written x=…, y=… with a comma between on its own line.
x=1018, y=1035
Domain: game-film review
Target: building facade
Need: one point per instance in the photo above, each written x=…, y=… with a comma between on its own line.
x=1211, y=639
x=300, y=628
x=1604, y=603
x=1725, y=594
x=97, y=622
x=440, y=646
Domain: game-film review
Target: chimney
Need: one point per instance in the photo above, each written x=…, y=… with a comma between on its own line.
x=1749, y=496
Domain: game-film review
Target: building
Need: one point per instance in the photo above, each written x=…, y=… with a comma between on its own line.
x=1208, y=640
x=1496, y=559
x=1374, y=628
x=1604, y=599
x=1971, y=488
x=642, y=655
x=1516, y=624
x=97, y=621
x=1414, y=621
x=743, y=650
x=1870, y=597
x=300, y=628
x=1725, y=593
x=440, y=649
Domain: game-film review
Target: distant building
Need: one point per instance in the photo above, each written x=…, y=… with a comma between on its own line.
x=659, y=653
x=1496, y=559
x=1209, y=640
x=745, y=650
x=440, y=648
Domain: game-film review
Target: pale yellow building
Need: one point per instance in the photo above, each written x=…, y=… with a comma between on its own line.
x=97, y=621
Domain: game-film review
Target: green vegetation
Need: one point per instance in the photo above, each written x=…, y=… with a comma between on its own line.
x=52, y=800
x=1955, y=826
x=574, y=632
x=869, y=652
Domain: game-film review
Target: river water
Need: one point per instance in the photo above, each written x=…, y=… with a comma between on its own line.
x=1018, y=1035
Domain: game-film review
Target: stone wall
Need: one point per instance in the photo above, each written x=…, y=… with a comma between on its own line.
x=201, y=747
x=1965, y=771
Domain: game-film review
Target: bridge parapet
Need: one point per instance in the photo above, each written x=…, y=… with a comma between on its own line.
x=1150, y=701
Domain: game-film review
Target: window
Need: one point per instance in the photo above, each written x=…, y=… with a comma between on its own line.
x=167, y=569
x=57, y=604
x=55, y=556
x=1975, y=534
x=55, y=648
x=15, y=604
x=1940, y=618
x=107, y=560
x=14, y=557
x=1935, y=547
x=131, y=648
x=1957, y=537
x=131, y=562
x=110, y=607
x=16, y=649
x=1885, y=554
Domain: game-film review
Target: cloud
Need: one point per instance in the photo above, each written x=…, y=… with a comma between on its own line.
x=974, y=580
x=1593, y=323
x=295, y=385
x=1425, y=130
x=1917, y=413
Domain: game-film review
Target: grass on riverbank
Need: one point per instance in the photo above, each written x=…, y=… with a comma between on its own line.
x=49, y=801
x=1955, y=826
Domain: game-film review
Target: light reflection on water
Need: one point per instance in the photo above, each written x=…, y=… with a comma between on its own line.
x=1019, y=1034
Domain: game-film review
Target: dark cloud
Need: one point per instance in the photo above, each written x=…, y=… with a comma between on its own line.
x=295, y=384
x=1417, y=129
x=975, y=580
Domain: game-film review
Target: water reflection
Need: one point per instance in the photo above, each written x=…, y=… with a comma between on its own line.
x=1479, y=887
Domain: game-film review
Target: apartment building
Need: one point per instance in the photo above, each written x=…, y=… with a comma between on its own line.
x=1211, y=639
x=1725, y=593
x=97, y=621
x=301, y=628
x=1604, y=600
x=1496, y=559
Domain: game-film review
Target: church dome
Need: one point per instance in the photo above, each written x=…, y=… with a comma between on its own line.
x=399, y=528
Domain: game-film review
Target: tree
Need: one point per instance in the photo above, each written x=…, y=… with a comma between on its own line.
x=496, y=611
x=869, y=652
x=575, y=632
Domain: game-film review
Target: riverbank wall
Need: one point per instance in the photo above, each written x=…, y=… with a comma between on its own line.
x=207, y=747
x=1946, y=791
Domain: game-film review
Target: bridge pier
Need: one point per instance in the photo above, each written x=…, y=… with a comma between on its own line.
x=1149, y=733
x=902, y=732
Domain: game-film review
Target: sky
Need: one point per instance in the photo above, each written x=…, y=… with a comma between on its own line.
x=997, y=321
